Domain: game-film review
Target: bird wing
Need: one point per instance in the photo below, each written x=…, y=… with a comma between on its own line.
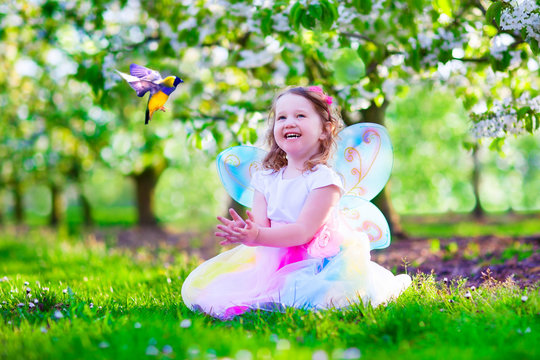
x=141, y=86
x=144, y=73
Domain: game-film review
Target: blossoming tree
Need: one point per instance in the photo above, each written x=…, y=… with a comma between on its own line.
x=233, y=55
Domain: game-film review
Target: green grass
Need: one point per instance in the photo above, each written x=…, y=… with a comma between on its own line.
x=99, y=302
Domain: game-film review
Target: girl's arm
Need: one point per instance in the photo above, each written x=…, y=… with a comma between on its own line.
x=315, y=212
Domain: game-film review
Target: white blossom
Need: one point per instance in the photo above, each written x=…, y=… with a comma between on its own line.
x=503, y=120
x=522, y=15
x=500, y=44
x=281, y=23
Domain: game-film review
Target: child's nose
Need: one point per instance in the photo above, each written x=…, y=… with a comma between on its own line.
x=290, y=121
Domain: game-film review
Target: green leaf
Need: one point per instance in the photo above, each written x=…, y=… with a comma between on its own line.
x=529, y=123
x=522, y=111
x=315, y=10
x=363, y=6
x=266, y=21
x=493, y=13
x=468, y=145
x=496, y=145
x=534, y=46
x=294, y=15
x=348, y=66
x=443, y=6
x=307, y=20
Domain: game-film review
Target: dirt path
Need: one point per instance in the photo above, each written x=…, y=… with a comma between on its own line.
x=454, y=258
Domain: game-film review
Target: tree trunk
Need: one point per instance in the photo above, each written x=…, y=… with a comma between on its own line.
x=18, y=203
x=1, y=208
x=375, y=114
x=478, y=211
x=56, y=205
x=145, y=185
x=85, y=207
x=239, y=208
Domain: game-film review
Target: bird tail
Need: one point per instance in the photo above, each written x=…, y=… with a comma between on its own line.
x=147, y=115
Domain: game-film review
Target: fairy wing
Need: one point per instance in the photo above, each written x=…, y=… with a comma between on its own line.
x=362, y=216
x=364, y=158
x=236, y=166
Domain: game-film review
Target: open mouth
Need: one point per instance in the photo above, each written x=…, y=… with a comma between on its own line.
x=292, y=136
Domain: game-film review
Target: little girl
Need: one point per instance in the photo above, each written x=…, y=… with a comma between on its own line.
x=293, y=249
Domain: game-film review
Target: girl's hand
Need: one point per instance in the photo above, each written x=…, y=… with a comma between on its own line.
x=238, y=230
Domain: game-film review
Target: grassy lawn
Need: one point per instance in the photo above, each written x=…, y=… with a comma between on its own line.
x=73, y=297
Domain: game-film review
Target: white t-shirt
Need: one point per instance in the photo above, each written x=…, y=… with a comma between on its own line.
x=285, y=198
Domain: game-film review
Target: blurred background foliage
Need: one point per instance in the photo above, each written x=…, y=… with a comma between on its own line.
x=74, y=149
x=432, y=174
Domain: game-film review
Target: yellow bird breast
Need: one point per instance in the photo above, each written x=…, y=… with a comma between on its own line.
x=157, y=100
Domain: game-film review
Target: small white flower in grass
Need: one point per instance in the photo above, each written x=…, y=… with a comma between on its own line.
x=45, y=289
x=58, y=314
x=43, y=329
x=527, y=330
x=36, y=301
x=91, y=305
x=137, y=325
x=26, y=283
x=9, y=322
x=167, y=349
x=451, y=301
x=468, y=294
x=320, y=355
x=186, y=323
x=351, y=353
x=169, y=280
x=64, y=291
x=5, y=278
x=524, y=298
x=31, y=305
x=283, y=344
x=473, y=288
x=20, y=305
x=445, y=280
x=151, y=350
x=103, y=345
x=243, y=355
x=193, y=351
x=28, y=290
x=211, y=354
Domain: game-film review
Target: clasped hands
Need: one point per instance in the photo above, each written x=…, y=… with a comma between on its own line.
x=237, y=230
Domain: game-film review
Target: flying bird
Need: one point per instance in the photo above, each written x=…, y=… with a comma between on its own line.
x=143, y=80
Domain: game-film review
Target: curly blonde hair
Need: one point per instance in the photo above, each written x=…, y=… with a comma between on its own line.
x=277, y=158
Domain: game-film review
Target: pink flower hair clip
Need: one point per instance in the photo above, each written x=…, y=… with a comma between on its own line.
x=319, y=90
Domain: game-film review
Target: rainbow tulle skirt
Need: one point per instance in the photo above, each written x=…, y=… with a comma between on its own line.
x=305, y=277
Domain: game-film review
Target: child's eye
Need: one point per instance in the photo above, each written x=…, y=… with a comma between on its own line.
x=281, y=117
x=300, y=115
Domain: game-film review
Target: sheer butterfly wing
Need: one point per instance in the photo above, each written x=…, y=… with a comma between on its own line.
x=364, y=158
x=362, y=216
x=236, y=166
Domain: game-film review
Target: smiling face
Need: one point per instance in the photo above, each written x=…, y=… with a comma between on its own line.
x=298, y=128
